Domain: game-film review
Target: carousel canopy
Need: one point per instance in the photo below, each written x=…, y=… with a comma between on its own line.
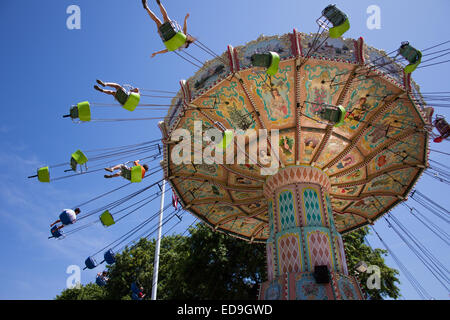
x=373, y=159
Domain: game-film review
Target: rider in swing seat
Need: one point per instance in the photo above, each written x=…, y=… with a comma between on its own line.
x=172, y=39
x=125, y=171
x=67, y=217
x=129, y=100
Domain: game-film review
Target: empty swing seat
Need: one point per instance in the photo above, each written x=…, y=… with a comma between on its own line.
x=412, y=55
x=82, y=111
x=334, y=115
x=77, y=158
x=107, y=219
x=90, y=263
x=338, y=19
x=109, y=257
x=269, y=60
x=43, y=174
x=442, y=127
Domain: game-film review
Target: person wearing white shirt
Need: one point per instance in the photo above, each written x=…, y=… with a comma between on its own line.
x=68, y=216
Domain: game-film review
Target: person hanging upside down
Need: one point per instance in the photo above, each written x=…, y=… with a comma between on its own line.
x=172, y=39
x=120, y=94
x=125, y=171
x=68, y=216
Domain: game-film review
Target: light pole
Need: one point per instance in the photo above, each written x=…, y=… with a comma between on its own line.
x=158, y=244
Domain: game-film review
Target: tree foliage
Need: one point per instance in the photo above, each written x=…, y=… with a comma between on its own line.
x=90, y=291
x=357, y=250
x=211, y=265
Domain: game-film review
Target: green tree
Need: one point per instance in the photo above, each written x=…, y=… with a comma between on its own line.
x=357, y=250
x=91, y=291
x=211, y=265
x=216, y=266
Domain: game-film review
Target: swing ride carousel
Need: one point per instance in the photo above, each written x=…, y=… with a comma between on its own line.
x=288, y=140
x=352, y=142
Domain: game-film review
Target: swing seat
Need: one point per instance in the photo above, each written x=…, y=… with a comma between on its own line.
x=135, y=296
x=342, y=115
x=134, y=288
x=100, y=281
x=107, y=219
x=413, y=66
x=227, y=139
x=81, y=111
x=132, y=101
x=90, y=263
x=269, y=60
x=109, y=257
x=176, y=41
x=334, y=15
x=338, y=31
x=333, y=115
x=84, y=111
x=136, y=174
x=55, y=232
x=77, y=158
x=412, y=55
x=337, y=18
x=43, y=174
x=442, y=127
x=274, y=62
x=171, y=35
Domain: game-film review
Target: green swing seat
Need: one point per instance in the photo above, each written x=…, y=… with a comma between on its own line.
x=171, y=36
x=78, y=158
x=338, y=19
x=81, y=111
x=269, y=60
x=227, y=139
x=107, y=219
x=136, y=174
x=43, y=174
x=132, y=101
x=412, y=55
x=334, y=115
x=128, y=100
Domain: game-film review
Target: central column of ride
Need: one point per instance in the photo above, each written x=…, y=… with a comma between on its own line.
x=305, y=253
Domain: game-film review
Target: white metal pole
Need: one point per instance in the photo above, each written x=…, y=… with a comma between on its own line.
x=158, y=244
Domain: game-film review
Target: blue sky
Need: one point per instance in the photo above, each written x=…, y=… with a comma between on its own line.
x=46, y=68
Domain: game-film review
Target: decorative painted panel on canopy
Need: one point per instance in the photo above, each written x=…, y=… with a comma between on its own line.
x=373, y=159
